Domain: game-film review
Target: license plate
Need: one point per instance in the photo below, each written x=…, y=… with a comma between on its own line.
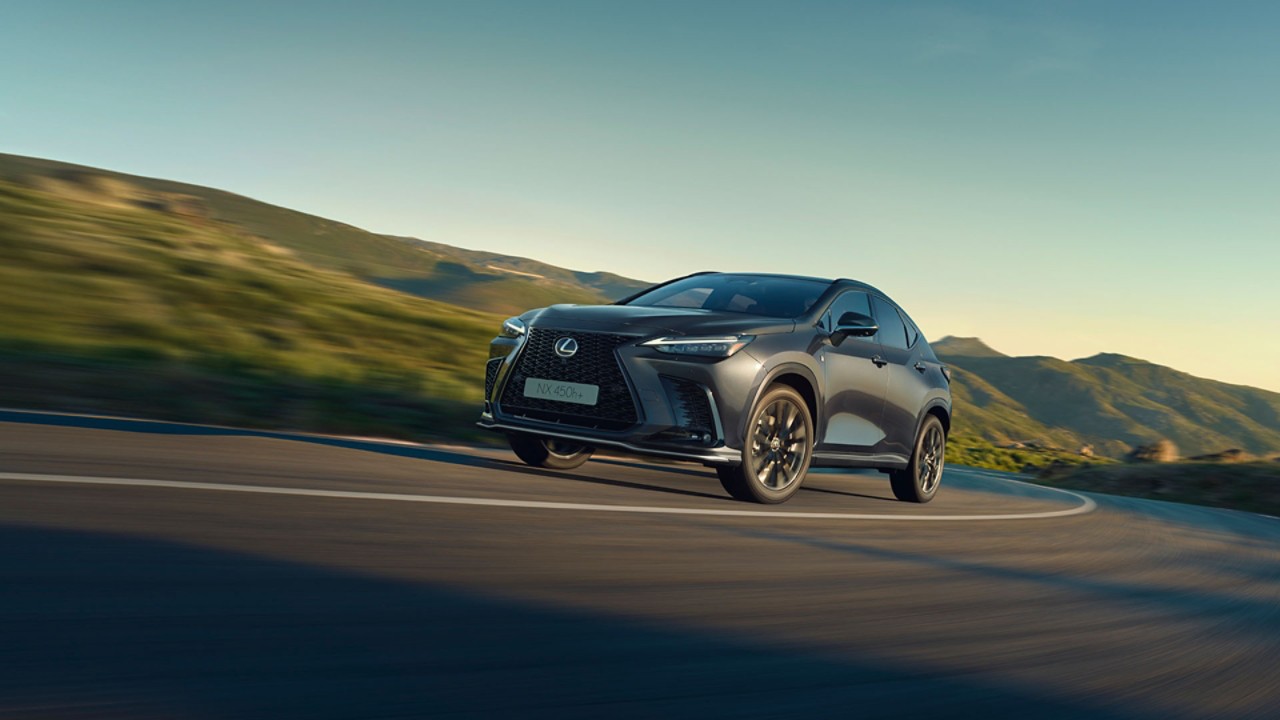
x=579, y=393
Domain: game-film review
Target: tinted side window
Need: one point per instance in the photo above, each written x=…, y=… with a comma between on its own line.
x=893, y=333
x=913, y=333
x=849, y=302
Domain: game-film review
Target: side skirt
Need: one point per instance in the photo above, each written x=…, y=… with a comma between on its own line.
x=828, y=458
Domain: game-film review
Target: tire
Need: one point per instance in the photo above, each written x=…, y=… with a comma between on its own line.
x=545, y=452
x=733, y=483
x=920, y=480
x=776, y=452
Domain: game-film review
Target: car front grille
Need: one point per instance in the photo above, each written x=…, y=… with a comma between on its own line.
x=595, y=363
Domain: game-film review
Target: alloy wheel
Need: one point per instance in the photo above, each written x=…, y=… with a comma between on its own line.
x=931, y=459
x=778, y=445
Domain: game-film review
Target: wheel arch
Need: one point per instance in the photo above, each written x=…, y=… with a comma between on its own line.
x=797, y=377
x=938, y=409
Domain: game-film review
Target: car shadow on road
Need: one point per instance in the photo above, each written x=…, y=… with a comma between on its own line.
x=845, y=493
x=110, y=625
x=583, y=477
x=637, y=464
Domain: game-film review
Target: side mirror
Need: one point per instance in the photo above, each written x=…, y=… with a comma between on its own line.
x=855, y=324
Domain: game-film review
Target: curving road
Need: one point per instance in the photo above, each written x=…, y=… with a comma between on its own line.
x=153, y=570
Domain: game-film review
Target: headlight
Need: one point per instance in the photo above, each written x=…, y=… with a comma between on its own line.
x=513, y=327
x=720, y=347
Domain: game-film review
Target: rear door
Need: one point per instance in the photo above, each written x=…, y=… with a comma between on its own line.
x=853, y=403
x=908, y=387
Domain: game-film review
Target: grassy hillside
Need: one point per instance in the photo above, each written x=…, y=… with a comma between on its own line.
x=120, y=299
x=984, y=411
x=483, y=281
x=964, y=448
x=600, y=285
x=1109, y=401
x=495, y=292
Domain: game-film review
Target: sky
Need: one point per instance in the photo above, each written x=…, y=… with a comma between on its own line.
x=1057, y=178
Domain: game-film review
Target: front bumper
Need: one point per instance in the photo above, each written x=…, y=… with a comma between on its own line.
x=661, y=416
x=711, y=456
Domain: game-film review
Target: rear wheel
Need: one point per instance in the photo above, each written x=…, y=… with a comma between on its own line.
x=919, y=481
x=546, y=452
x=776, y=451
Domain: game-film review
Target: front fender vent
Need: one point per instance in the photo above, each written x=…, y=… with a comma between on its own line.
x=691, y=409
x=491, y=369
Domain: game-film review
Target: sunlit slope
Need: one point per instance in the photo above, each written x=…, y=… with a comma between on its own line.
x=484, y=272
x=474, y=279
x=982, y=410
x=119, y=298
x=1110, y=401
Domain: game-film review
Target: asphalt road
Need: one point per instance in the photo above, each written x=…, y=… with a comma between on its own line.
x=150, y=570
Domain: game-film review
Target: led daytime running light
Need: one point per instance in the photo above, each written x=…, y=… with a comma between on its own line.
x=700, y=346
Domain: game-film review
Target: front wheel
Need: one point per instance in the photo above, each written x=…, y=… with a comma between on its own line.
x=919, y=481
x=546, y=452
x=776, y=451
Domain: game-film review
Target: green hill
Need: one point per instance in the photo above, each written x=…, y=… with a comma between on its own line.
x=117, y=299
x=482, y=281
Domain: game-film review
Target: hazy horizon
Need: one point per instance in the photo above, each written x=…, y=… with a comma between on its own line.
x=1056, y=179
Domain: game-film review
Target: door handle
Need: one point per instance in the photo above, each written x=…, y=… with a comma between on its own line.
x=879, y=361
x=921, y=367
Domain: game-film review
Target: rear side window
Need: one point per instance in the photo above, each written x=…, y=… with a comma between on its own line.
x=913, y=333
x=893, y=332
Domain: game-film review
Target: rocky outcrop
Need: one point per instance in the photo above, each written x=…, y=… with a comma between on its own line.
x=1160, y=451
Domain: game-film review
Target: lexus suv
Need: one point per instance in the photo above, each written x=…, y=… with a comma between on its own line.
x=759, y=376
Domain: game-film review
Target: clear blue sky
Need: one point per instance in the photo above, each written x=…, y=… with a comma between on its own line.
x=1057, y=178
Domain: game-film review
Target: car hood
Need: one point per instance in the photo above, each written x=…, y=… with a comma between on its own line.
x=641, y=320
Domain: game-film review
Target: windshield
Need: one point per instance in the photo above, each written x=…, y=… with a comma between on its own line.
x=780, y=297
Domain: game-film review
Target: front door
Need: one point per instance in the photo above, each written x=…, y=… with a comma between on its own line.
x=855, y=384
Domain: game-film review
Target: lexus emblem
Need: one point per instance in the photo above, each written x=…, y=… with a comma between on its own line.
x=566, y=347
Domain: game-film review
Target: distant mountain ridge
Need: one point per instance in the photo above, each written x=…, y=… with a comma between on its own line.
x=1108, y=401
x=964, y=347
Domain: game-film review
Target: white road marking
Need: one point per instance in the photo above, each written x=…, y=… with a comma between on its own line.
x=1086, y=504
